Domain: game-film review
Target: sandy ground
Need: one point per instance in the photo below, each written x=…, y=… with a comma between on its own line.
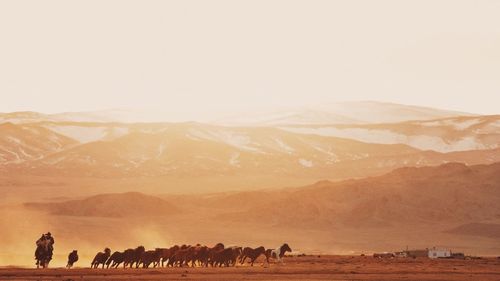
x=294, y=268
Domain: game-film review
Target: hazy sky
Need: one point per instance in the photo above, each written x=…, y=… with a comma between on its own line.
x=205, y=56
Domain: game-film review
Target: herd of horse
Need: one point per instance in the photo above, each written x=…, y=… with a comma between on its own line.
x=185, y=255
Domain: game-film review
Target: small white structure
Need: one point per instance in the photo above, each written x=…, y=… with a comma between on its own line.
x=439, y=253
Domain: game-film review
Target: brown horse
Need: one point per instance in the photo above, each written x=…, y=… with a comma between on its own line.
x=252, y=254
x=167, y=254
x=72, y=258
x=236, y=253
x=196, y=255
x=115, y=260
x=181, y=256
x=267, y=253
x=100, y=257
x=131, y=256
x=200, y=255
x=226, y=257
x=149, y=257
x=212, y=251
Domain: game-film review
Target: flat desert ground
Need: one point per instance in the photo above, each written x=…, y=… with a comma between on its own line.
x=294, y=268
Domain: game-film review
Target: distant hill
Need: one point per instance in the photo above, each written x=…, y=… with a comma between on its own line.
x=488, y=230
x=361, y=112
x=330, y=113
x=131, y=204
x=448, y=194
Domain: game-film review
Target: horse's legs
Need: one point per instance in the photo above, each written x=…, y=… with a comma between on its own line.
x=280, y=259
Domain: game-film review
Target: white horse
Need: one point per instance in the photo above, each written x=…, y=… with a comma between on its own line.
x=279, y=252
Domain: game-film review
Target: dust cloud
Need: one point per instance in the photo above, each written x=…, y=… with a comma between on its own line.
x=20, y=227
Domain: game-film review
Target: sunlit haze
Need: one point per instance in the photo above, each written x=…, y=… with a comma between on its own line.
x=250, y=139
x=199, y=60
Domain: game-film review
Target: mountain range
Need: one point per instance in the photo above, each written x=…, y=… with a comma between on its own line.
x=330, y=179
x=224, y=157
x=361, y=112
x=163, y=149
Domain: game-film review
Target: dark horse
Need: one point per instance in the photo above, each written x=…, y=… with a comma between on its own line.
x=252, y=254
x=43, y=252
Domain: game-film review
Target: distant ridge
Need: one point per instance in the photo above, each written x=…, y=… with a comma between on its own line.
x=130, y=204
x=362, y=112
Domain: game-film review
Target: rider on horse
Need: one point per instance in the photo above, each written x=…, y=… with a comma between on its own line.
x=49, y=237
x=44, y=250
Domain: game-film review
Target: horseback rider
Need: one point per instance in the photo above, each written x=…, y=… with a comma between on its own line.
x=42, y=238
x=49, y=237
x=44, y=244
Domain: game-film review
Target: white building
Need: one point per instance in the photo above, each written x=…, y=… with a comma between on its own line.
x=439, y=253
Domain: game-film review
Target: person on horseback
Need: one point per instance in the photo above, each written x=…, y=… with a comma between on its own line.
x=42, y=238
x=49, y=237
x=44, y=250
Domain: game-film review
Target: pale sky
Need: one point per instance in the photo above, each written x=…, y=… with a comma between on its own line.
x=207, y=56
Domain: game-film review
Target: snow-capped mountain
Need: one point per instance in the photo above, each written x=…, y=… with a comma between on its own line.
x=304, y=150
x=444, y=135
x=21, y=143
x=194, y=149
